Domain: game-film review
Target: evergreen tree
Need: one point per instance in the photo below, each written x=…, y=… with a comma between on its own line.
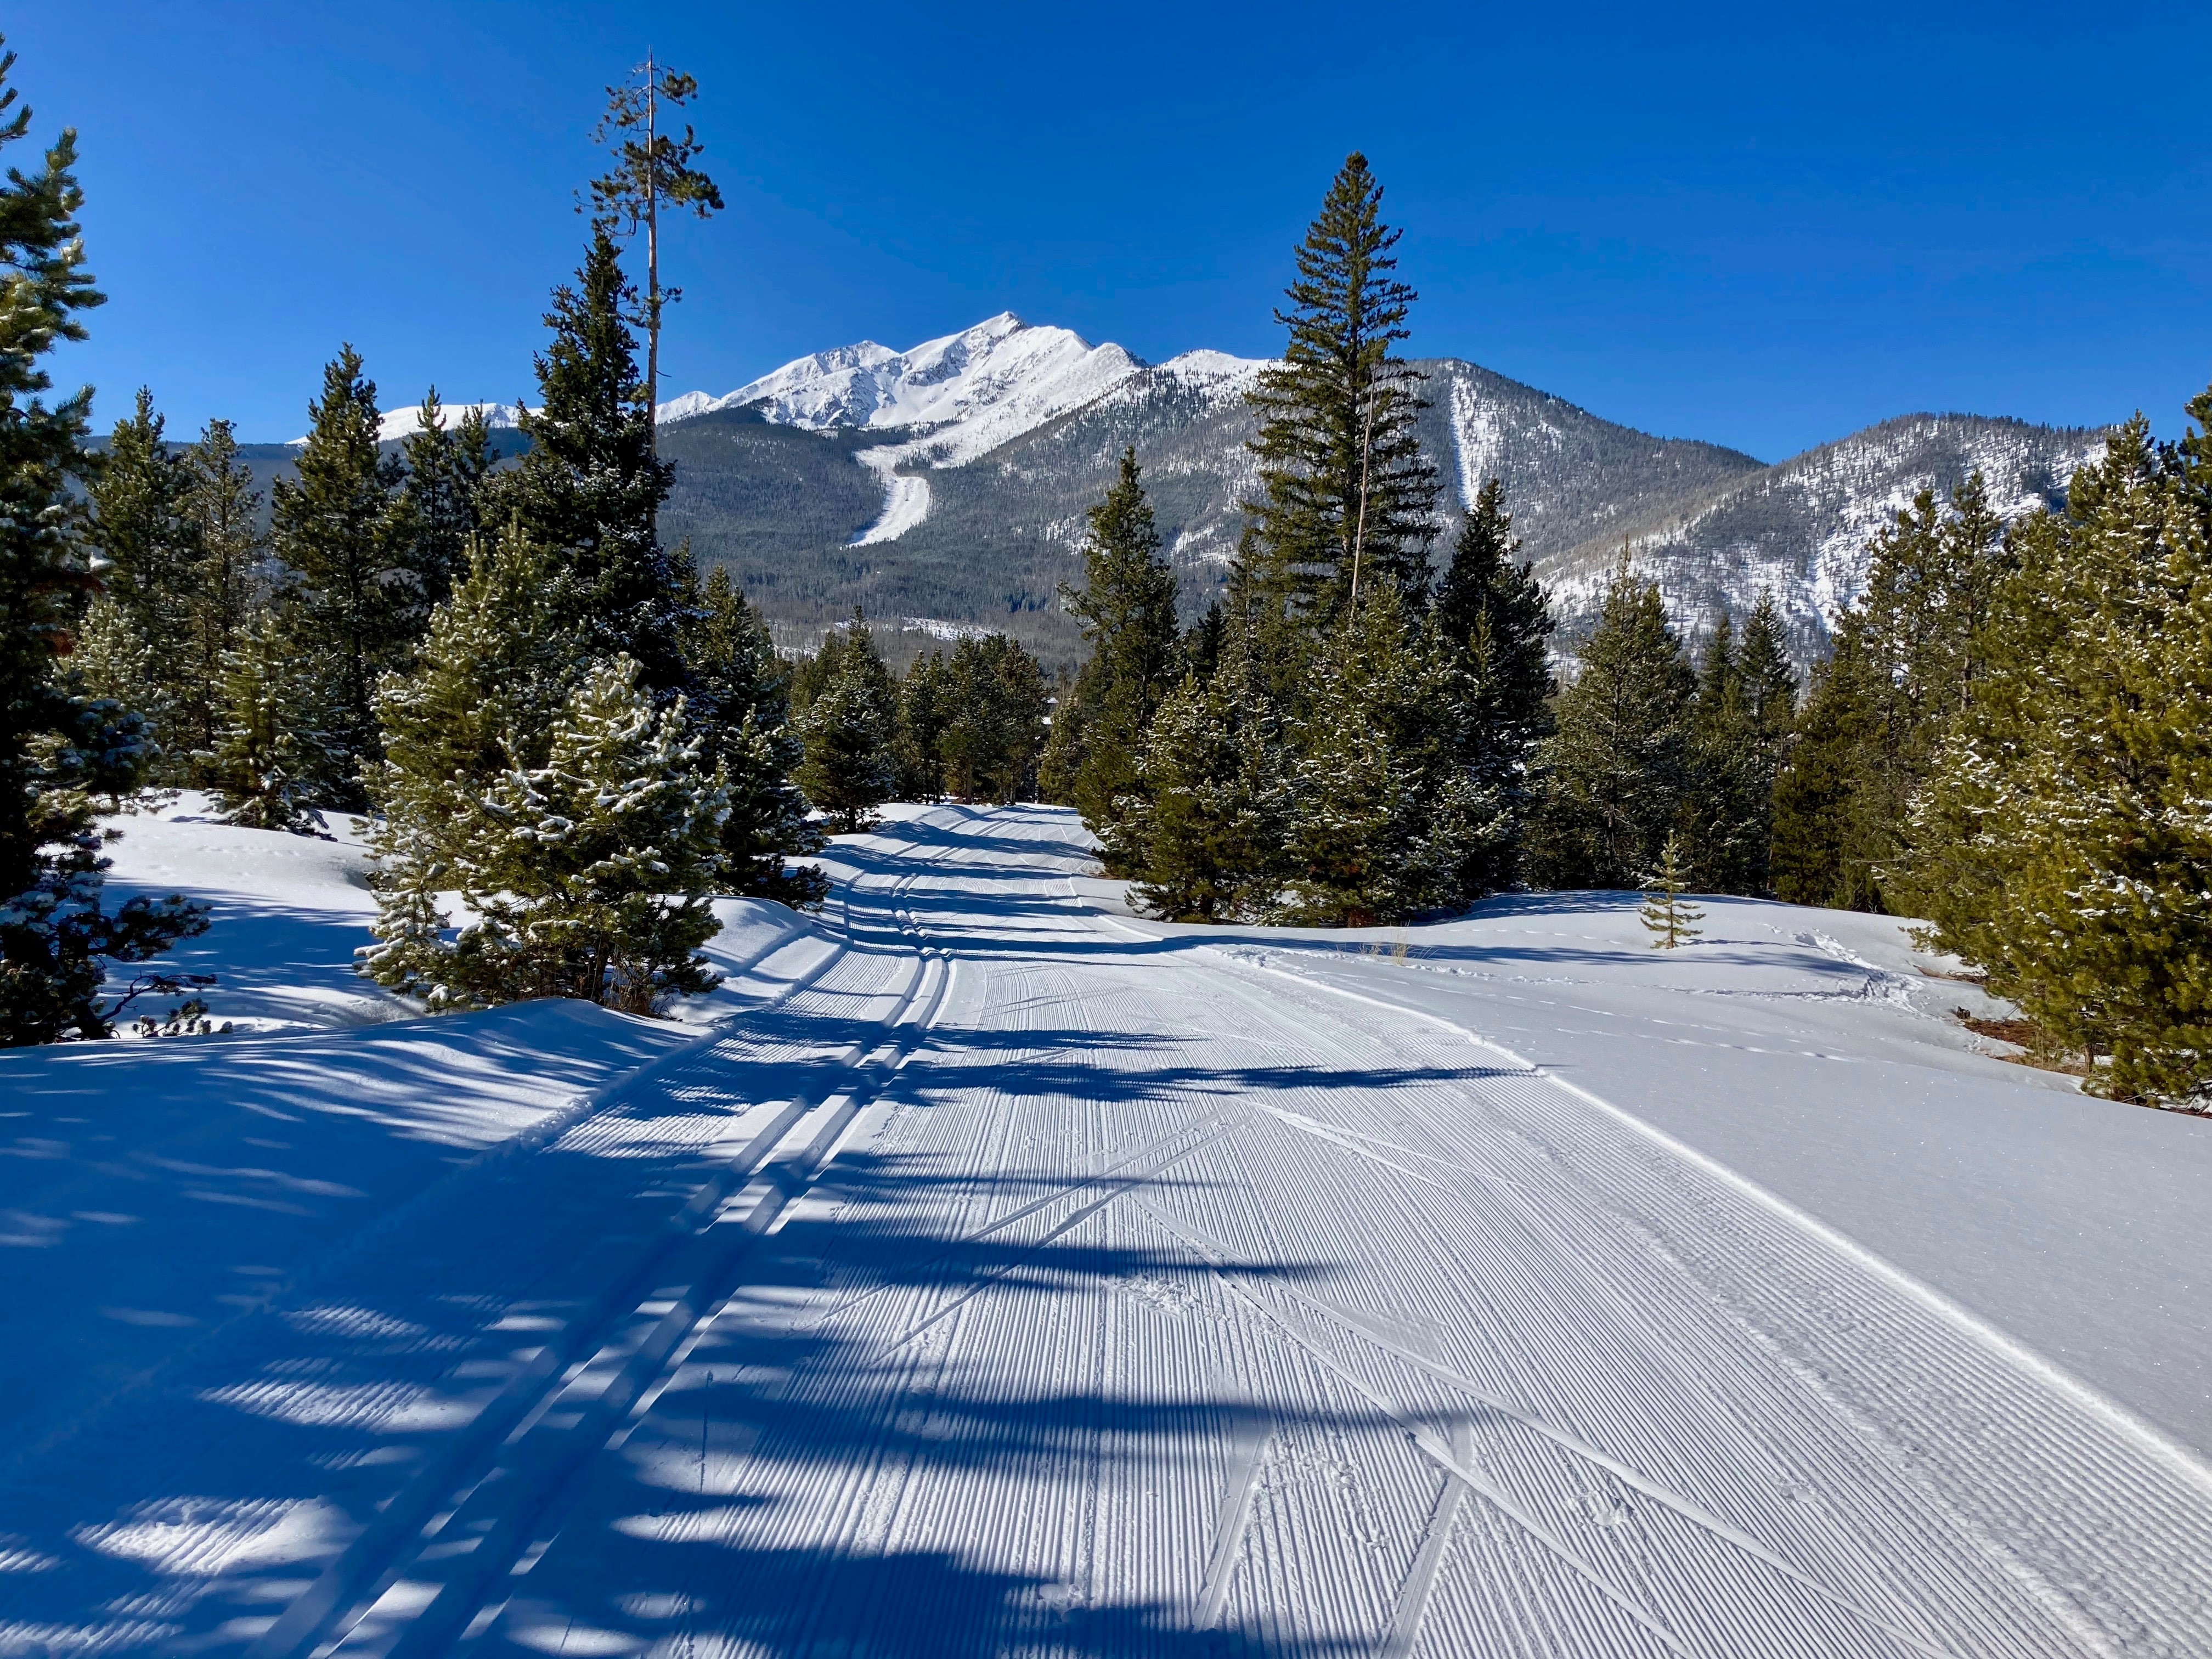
x=446, y=472
x=1618, y=767
x=112, y=661
x=342, y=530
x=1729, y=811
x=2063, y=841
x=63, y=753
x=924, y=712
x=740, y=707
x=991, y=742
x=1664, y=912
x=1492, y=612
x=1127, y=610
x=1200, y=650
x=227, y=584
x=1065, y=742
x=590, y=875
x=1907, y=658
x=1206, y=839
x=590, y=487
x=1386, y=817
x=141, y=529
x=1347, y=497
x=849, y=728
x=270, y=761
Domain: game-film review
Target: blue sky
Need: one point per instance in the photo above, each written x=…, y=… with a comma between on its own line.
x=1761, y=226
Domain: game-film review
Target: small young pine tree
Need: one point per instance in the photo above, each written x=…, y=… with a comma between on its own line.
x=271, y=762
x=1665, y=912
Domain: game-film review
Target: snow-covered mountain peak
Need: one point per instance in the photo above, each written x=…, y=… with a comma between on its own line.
x=398, y=423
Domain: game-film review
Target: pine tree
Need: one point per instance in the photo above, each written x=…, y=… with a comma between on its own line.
x=1664, y=911
x=229, y=582
x=2063, y=841
x=740, y=707
x=1493, y=614
x=590, y=875
x=849, y=729
x=992, y=741
x=590, y=487
x=493, y=672
x=1205, y=842
x=1618, y=767
x=342, y=531
x=1347, y=497
x=925, y=711
x=63, y=754
x=447, y=471
x=112, y=661
x=141, y=528
x=1386, y=818
x=1728, y=813
x=1065, y=742
x=1127, y=610
x=1906, y=661
x=270, y=761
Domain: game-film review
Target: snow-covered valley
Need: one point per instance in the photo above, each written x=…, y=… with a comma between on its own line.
x=985, y=1269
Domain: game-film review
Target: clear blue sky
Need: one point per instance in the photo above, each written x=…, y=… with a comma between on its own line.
x=1765, y=226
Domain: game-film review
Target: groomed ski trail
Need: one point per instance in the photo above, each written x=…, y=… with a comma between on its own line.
x=1028, y=1285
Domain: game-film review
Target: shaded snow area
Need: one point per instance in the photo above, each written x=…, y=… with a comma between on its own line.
x=988, y=1271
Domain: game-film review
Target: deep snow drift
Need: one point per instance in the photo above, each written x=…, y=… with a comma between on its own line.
x=1006, y=1273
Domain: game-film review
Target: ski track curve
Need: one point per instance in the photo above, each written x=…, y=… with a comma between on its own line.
x=1028, y=1284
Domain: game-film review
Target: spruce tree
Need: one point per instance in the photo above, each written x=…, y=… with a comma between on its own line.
x=850, y=730
x=1727, y=814
x=1128, y=611
x=739, y=706
x=229, y=580
x=112, y=661
x=2062, y=841
x=1347, y=497
x=140, y=525
x=1616, y=768
x=1828, y=842
x=342, y=530
x=63, y=755
x=590, y=487
x=270, y=761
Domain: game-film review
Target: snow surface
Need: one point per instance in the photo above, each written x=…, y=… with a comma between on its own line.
x=1006, y=1273
x=397, y=423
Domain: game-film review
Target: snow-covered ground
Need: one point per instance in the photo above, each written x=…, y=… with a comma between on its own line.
x=1005, y=1273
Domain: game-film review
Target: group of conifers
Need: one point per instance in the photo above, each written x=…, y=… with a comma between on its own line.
x=568, y=743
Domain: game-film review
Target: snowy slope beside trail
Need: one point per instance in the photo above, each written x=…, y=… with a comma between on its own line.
x=1020, y=1276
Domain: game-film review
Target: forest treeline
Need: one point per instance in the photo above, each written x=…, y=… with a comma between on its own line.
x=567, y=740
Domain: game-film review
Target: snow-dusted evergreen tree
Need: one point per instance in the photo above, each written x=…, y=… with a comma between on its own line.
x=2063, y=840
x=1666, y=914
x=850, y=730
x=589, y=875
x=1616, y=768
x=1128, y=611
x=63, y=754
x=228, y=580
x=1347, y=496
x=113, y=660
x=271, y=761
x=357, y=603
x=924, y=710
x=740, y=706
x=492, y=674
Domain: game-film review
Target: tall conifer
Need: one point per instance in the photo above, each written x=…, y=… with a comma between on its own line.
x=229, y=582
x=140, y=525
